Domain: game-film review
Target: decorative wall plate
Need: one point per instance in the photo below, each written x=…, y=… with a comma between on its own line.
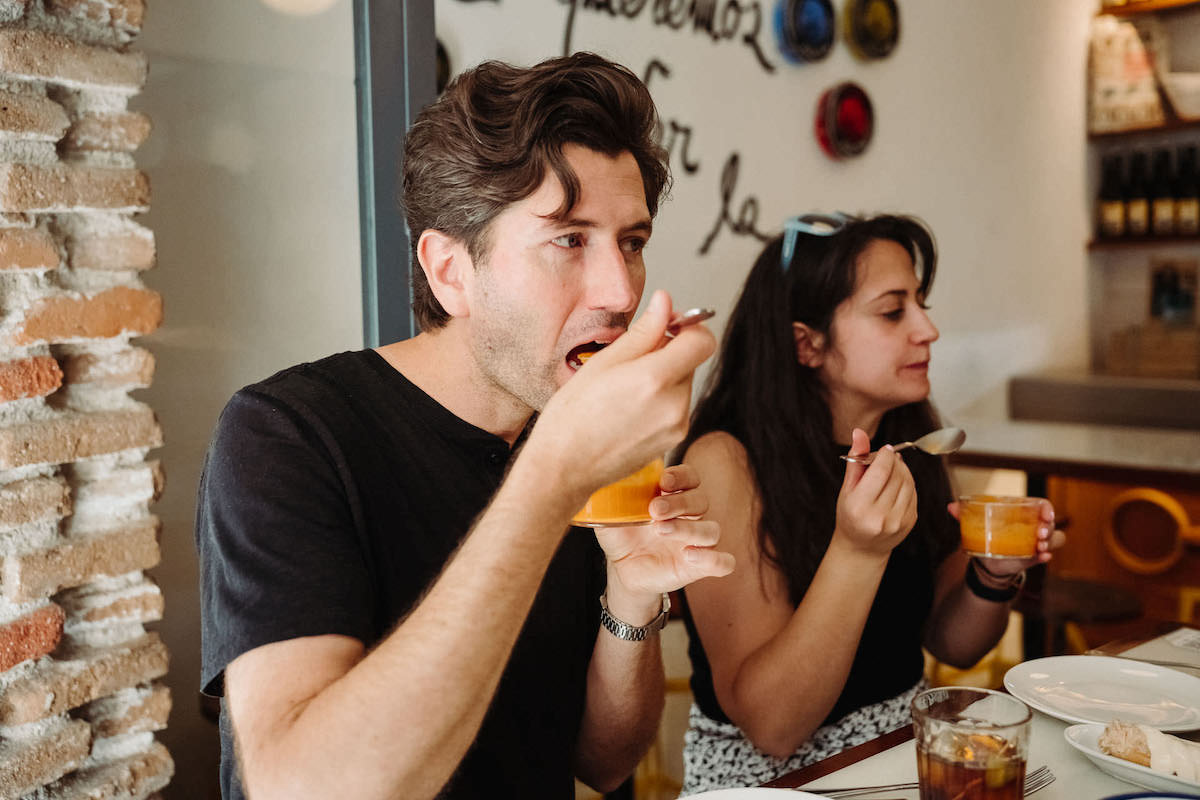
x=872, y=27
x=806, y=29
x=845, y=120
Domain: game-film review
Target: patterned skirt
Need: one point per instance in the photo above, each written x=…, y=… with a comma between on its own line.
x=717, y=755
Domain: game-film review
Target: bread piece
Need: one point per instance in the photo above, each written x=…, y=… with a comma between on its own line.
x=1126, y=741
x=1152, y=748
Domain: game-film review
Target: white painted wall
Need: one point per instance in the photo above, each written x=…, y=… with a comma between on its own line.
x=253, y=167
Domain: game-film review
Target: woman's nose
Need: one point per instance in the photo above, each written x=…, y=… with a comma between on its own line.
x=925, y=330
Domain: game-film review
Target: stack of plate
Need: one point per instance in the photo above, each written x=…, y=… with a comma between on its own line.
x=1094, y=690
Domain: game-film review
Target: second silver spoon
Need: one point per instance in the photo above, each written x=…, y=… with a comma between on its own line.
x=939, y=442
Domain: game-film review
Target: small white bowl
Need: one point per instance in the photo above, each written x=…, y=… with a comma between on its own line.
x=1183, y=90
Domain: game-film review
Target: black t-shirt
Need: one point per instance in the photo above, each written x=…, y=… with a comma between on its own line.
x=333, y=494
x=889, y=659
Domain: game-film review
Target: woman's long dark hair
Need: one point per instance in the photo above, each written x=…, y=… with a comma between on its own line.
x=777, y=407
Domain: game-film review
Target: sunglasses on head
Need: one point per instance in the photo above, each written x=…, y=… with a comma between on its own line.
x=813, y=225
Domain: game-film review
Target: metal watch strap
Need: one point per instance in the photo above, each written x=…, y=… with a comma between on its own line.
x=632, y=633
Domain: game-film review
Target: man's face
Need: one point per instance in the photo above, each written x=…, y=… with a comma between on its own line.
x=550, y=287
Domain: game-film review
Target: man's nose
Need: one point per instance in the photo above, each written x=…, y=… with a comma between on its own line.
x=612, y=284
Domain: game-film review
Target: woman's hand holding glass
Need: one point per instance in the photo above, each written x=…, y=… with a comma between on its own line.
x=1049, y=539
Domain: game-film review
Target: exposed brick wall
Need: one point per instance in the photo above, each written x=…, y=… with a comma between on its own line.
x=80, y=677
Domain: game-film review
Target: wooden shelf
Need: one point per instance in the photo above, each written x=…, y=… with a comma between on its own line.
x=1145, y=241
x=1147, y=7
x=1172, y=124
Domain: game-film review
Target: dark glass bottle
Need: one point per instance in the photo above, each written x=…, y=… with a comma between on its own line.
x=1111, y=205
x=1162, y=195
x=1137, y=197
x=1187, y=193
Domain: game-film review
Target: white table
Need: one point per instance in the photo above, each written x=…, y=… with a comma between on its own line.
x=891, y=760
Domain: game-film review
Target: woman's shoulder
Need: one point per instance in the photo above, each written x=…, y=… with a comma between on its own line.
x=718, y=448
x=722, y=460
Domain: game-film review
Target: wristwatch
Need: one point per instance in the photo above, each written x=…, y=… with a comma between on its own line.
x=632, y=633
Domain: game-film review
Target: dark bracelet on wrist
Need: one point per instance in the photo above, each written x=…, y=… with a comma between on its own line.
x=985, y=592
x=1008, y=580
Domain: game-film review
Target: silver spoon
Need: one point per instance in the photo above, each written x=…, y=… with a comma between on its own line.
x=689, y=317
x=678, y=322
x=943, y=440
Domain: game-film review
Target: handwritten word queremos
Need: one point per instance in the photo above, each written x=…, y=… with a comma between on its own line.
x=719, y=19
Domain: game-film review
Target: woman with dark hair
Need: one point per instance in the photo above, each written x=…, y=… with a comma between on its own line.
x=844, y=570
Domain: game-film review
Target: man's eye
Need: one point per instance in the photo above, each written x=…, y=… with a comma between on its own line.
x=633, y=245
x=568, y=240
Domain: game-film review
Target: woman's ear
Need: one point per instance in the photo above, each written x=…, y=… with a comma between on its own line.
x=810, y=345
x=446, y=265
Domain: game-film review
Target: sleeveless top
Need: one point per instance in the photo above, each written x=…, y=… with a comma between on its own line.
x=889, y=659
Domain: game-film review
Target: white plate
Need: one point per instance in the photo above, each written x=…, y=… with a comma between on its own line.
x=1085, y=738
x=1101, y=689
x=758, y=793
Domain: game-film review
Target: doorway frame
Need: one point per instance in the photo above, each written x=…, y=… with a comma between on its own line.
x=395, y=62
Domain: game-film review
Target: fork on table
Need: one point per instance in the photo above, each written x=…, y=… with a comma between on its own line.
x=1040, y=778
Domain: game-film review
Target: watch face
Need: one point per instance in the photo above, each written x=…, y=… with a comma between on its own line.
x=806, y=29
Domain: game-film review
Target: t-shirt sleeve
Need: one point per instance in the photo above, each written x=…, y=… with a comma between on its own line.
x=279, y=554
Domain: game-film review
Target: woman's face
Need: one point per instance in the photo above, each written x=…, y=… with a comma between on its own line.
x=879, y=349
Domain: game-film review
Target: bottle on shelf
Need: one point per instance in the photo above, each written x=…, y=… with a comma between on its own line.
x=1137, y=197
x=1187, y=193
x=1162, y=195
x=1112, y=199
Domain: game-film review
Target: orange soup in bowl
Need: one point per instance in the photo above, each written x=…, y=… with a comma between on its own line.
x=999, y=527
x=625, y=502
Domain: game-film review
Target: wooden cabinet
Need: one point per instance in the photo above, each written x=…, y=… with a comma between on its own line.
x=1139, y=484
x=1145, y=539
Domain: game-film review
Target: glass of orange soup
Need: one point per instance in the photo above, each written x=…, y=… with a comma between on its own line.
x=626, y=502
x=999, y=527
x=972, y=744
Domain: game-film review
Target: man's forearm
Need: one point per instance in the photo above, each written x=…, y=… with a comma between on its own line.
x=624, y=705
x=404, y=716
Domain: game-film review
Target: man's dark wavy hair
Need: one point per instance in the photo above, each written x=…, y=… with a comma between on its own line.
x=491, y=136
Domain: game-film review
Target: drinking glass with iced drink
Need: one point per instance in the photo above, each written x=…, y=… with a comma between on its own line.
x=999, y=527
x=972, y=744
